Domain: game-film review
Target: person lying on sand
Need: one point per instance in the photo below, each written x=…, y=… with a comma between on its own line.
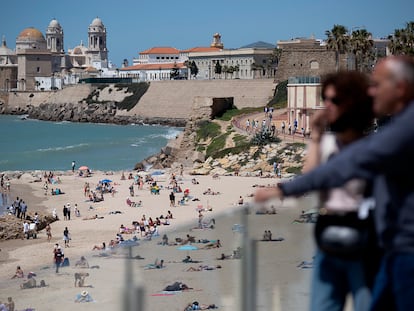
x=93, y=217
x=197, y=306
x=188, y=259
x=210, y=192
x=224, y=257
x=203, y=268
x=177, y=286
x=216, y=244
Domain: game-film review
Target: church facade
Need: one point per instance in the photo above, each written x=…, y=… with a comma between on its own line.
x=41, y=63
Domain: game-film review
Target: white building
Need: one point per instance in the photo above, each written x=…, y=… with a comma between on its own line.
x=304, y=99
x=243, y=63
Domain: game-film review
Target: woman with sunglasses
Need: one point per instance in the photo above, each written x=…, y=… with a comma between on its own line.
x=343, y=236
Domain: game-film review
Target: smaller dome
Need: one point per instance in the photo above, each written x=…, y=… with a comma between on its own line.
x=31, y=34
x=77, y=51
x=4, y=50
x=54, y=23
x=97, y=22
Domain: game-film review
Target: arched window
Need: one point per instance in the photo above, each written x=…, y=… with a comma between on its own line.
x=314, y=64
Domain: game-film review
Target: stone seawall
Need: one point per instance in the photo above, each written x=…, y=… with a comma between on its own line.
x=165, y=102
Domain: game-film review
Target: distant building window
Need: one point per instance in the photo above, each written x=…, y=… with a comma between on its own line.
x=314, y=64
x=38, y=69
x=176, y=57
x=158, y=57
x=163, y=57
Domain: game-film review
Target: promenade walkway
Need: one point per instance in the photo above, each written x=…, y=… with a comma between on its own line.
x=279, y=116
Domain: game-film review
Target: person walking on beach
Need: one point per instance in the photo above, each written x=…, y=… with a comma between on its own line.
x=386, y=158
x=73, y=166
x=172, y=199
x=48, y=232
x=131, y=190
x=58, y=257
x=66, y=237
x=65, y=212
x=68, y=209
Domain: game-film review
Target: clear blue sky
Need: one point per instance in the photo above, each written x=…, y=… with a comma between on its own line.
x=135, y=25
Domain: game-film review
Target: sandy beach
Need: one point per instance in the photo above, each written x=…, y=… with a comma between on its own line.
x=281, y=284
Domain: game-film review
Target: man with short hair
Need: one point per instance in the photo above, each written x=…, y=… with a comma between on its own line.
x=385, y=157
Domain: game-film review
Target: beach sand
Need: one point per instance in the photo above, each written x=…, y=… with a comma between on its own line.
x=281, y=285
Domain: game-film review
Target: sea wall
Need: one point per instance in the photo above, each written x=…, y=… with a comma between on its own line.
x=165, y=102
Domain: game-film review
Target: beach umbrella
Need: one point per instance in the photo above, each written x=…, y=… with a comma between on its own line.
x=105, y=181
x=187, y=247
x=83, y=168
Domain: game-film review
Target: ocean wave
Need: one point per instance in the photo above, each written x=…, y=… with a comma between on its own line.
x=171, y=133
x=61, y=148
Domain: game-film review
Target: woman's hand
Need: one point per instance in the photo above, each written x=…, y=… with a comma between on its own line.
x=265, y=194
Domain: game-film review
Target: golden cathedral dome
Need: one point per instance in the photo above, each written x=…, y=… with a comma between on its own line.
x=31, y=34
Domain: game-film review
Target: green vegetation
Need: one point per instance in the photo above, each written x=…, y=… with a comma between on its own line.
x=233, y=150
x=294, y=170
x=207, y=129
x=129, y=102
x=402, y=41
x=239, y=140
x=229, y=114
x=216, y=145
x=279, y=99
x=264, y=138
x=137, y=90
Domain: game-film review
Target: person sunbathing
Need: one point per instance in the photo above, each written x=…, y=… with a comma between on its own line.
x=224, y=257
x=216, y=244
x=93, y=217
x=99, y=248
x=210, y=192
x=177, y=286
x=197, y=306
x=203, y=268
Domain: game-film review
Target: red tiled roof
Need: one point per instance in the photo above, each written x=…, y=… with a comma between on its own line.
x=161, y=50
x=201, y=49
x=154, y=66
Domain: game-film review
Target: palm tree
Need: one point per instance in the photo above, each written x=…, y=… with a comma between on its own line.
x=361, y=46
x=338, y=41
x=402, y=41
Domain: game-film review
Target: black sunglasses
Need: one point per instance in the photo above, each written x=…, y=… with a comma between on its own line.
x=334, y=100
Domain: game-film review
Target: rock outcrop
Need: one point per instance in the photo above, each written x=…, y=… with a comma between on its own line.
x=256, y=161
x=11, y=227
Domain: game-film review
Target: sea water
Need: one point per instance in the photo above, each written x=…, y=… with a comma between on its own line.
x=42, y=145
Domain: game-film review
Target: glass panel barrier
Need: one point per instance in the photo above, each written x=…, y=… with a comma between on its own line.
x=224, y=258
